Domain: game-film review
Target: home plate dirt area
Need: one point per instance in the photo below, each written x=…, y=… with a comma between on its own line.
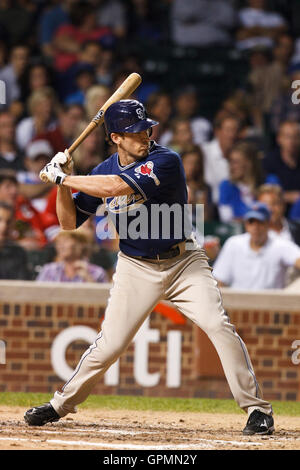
x=139, y=430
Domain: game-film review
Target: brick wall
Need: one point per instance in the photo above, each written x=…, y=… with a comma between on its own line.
x=30, y=320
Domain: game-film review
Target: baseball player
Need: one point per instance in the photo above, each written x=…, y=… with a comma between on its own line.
x=139, y=175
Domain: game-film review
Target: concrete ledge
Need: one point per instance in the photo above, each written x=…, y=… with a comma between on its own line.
x=97, y=294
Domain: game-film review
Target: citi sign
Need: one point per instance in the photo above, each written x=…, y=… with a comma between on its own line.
x=142, y=339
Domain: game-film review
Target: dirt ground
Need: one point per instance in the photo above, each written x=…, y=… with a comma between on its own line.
x=129, y=430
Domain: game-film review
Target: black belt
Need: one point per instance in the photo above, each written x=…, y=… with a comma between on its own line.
x=175, y=251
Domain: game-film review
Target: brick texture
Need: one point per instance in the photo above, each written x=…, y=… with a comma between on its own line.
x=29, y=331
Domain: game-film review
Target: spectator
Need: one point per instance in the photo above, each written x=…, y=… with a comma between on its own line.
x=144, y=21
x=84, y=79
x=272, y=196
x=259, y=27
x=55, y=15
x=29, y=222
x=89, y=58
x=186, y=107
x=11, y=72
x=237, y=193
x=90, y=153
x=42, y=116
x=216, y=152
x=35, y=76
x=94, y=99
x=160, y=109
x=269, y=79
x=71, y=263
x=254, y=260
x=13, y=259
x=112, y=13
x=198, y=191
x=65, y=131
x=182, y=136
x=37, y=155
x=283, y=108
x=17, y=18
x=202, y=23
x=10, y=157
x=283, y=164
x=69, y=37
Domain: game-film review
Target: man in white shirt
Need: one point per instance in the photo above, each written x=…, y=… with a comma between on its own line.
x=216, y=152
x=254, y=260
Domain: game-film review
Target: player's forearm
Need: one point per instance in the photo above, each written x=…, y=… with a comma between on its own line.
x=98, y=185
x=65, y=208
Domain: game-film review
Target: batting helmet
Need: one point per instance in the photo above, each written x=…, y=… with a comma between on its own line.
x=127, y=116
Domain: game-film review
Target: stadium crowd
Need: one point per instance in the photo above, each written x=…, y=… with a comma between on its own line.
x=60, y=61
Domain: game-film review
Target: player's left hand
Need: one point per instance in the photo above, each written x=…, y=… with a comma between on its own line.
x=64, y=160
x=53, y=173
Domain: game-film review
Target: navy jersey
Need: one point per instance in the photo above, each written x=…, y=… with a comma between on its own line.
x=152, y=219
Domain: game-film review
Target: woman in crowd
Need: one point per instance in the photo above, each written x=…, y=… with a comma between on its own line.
x=71, y=264
x=238, y=192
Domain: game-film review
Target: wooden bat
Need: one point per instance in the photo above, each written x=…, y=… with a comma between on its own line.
x=124, y=91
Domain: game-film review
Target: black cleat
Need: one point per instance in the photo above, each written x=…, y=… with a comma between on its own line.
x=41, y=415
x=259, y=423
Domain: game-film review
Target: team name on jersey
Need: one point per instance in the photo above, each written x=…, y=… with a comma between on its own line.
x=147, y=170
x=124, y=203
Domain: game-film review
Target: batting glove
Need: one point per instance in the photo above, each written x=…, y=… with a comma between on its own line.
x=52, y=173
x=64, y=160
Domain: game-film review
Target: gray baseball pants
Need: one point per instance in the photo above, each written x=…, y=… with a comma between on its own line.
x=138, y=285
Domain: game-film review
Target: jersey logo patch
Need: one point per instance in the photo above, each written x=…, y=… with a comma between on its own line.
x=147, y=169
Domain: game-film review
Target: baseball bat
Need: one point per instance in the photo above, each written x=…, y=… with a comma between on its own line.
x=123, y=91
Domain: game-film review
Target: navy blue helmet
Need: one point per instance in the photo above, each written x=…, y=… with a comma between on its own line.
x=127, y=116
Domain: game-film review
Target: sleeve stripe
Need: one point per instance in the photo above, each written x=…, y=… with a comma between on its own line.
x=84, y=212
x=135, y=184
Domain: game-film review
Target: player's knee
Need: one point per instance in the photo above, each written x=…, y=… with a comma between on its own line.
x=214, y=324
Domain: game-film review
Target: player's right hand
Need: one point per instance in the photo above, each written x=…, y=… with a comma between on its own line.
x=64, y=160
x=53, y=173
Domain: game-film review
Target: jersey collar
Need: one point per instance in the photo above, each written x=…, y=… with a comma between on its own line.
x=151, y=148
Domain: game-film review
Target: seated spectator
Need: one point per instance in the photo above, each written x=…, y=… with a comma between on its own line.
x=71, y=263
x=216, y=167
x=62, y=135
x=237, y=194
x=11, y=72
x=90, y=153
x=144, y=21
x=269, y=77
x=10, y=157
x=42, y=116
x=159, y=108
x=186, y=107
x=182, y=136
x=29, y=222
x=37, y=155
x=51, y=19
x=112, y=14
x=69, y=37
x=89, y=58
x=283, y=164
x=13, y=259
x=84, y=79
x=94, y=99
x=202, y=23
x=198, y=190
x=283, y=108
x=35, y=76
x=259, y=27
x=255, y=260
x=272, y=196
